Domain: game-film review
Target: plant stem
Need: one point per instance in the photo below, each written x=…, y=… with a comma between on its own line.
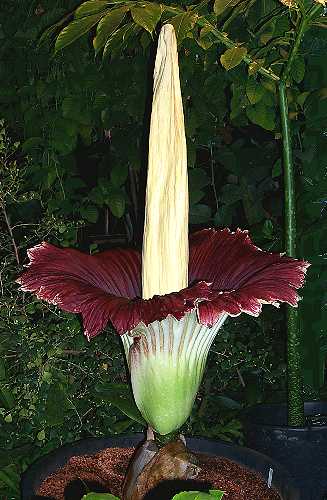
x=223, y=38
x=294, y=369
x=295, y=49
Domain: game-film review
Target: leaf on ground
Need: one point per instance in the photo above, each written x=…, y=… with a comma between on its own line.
x=99, y=496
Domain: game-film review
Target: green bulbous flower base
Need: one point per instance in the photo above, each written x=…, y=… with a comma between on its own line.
x=166, y=360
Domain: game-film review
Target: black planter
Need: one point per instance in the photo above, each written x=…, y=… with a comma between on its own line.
x=302, y=451
x=258, y=462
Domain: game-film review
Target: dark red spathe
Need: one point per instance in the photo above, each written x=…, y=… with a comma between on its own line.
x=227, y=274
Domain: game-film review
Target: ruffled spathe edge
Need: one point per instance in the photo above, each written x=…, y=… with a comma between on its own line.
x=228, y=274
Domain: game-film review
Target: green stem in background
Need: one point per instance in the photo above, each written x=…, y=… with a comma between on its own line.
x=296, y=416
x=224, y=40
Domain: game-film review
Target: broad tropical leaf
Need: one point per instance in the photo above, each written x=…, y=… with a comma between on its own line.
x=91, y=7
x=120, y=396
x=108, y=25
x=99, y=496
x=254, y=90
x=183, y=24
x=221, y=5
x=50, y=32
x=119, y=38
x=147, y=15
x=232, y=57
x=262, y=115
x=76, y=29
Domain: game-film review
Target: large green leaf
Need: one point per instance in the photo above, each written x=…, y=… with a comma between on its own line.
x=6, y=397
x=199, y=495
x=262, y=115
x=91, y=7
x=99, y=496
x=118, y=175
x=254, y=90
x=183, y=24
x=221, y=5
x=108, y=25
x=298, y=69
x=76, y=29
x=147, y=15
x=56, y=405
x=90, y=213
x=200, y=214
x=120, y=396
x=119, y=39
x=232, y=57
x=117, y=203
x=50, y=32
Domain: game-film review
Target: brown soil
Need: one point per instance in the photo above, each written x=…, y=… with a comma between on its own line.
x=105, y=471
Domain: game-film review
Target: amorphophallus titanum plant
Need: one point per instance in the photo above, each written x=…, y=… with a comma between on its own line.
x=169, y=303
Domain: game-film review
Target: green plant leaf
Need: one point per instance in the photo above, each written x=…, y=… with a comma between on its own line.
x=120, y=396
x=99, y=496
x=10, y=477
x=6, y=398
x=254, y=90
x=200, y=214
x=118, y=175
x=198, y=178
x=262, y=115
x=226, y=402
x=199, y=495
x=298, y=69
x=147, y=15
x=50, y=32
x=116, y=202
x=221, y=5
x=277, y=169
x=90, y=213
x=107, y=26
x=183, y=24
x=91, y=7
x=31, y=144
x=232, y=57
x=76, y=29
x=119, y=39
x=255, y=66
x=206, y=38
x=56, y=405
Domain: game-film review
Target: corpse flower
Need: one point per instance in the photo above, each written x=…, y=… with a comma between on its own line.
x=168, y=303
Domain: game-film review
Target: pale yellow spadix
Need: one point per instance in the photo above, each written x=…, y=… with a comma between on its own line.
x=165, y=240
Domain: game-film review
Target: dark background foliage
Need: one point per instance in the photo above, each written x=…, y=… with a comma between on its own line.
x=73, y=142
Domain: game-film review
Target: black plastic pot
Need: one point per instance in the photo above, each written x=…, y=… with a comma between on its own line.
x=48, y=464
x=302, y=451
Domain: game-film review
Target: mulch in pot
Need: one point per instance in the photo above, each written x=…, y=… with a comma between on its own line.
x=105, y=471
